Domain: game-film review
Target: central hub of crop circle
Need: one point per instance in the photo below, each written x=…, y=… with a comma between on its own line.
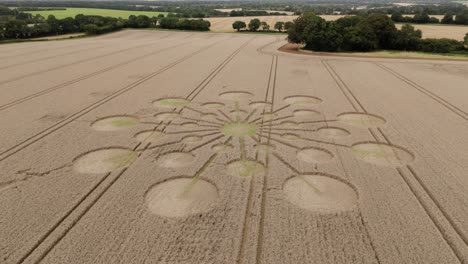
x=239, y=129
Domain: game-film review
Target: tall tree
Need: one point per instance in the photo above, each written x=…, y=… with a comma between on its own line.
x=254, y=24
x=239, y=25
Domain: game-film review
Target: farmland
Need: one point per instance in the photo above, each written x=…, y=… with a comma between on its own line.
x=72, y=12
x=179, y=147
x=224, y=24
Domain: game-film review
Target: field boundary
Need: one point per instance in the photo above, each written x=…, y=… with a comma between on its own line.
x=294, y=49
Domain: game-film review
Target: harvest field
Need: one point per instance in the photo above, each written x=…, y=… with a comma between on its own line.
x=72, y=12
x=224, y=24
x=179, y=147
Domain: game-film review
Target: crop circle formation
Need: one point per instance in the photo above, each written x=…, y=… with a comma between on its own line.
x=104, y=160
x=113, y=123
x=181, y=197
x=320, y=193
x=382, y=154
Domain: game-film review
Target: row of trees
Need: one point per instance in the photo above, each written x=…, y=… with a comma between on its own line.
x=424, y=18
x=255, y=24
x=364, y=33
x=20, y=25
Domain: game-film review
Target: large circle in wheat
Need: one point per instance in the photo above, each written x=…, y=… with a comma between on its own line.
x=361, y=119
x=382, y=154
x=104, y=160
x=314, y=155
x=181, y=197
x=320, y=193
x=114, y=123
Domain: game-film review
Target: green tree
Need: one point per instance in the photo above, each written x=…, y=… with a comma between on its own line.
x=279, y=26
x=465, y=40
x=407, y=38
x=239, y=25
x=265, y=26
x=254, y=24
x=360, y=37
x=288, y=25
x=384, y=29
x=397, y=17
x=296, y=32
x=54, y=24
x=421, y=18
x=447, y=19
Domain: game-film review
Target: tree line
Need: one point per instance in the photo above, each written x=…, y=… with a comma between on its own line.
x=19, y=25
x=364, y=33
x=255, y=25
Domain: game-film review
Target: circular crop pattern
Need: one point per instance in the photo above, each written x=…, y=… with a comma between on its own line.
x=302, y=100
x=382, y=154
x=212, y=105
x=361, y=119
x=320, y=193
x=191, y=139
x=314, y=155
x=189, y=125
x=150, y=136
x=245, y=168
x=333, y=132
x=171, y=102
x=305, y=114
x=176, y=160
x=290, y=124
x=235, y=96
x=209, y=116
x=113, y=123
x=290, y=136
x=104, y=160
x=166, y=116
x=181, y=197
x=239, y=129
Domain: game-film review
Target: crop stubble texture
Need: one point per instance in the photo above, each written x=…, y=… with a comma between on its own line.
x=265, y=157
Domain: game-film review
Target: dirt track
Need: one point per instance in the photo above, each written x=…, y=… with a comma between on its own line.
x=168, y=147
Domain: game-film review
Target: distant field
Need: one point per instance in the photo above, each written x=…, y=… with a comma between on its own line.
x=72, y=12
x=224, y=24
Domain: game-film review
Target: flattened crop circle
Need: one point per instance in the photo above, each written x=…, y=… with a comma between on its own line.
x=320, y=193
x=104, y=160
x=314, y=155
x=303, y=114
x=166, y=116
x=361, y=119
x=235, y=96
x=333, y=132
x=171, y=102
x=302, y=100
x=176, y=159
x=150, y=136
x=181, y=197
x=212, y=105
x=382, y=154
x=113, y=123
x=239, y=129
